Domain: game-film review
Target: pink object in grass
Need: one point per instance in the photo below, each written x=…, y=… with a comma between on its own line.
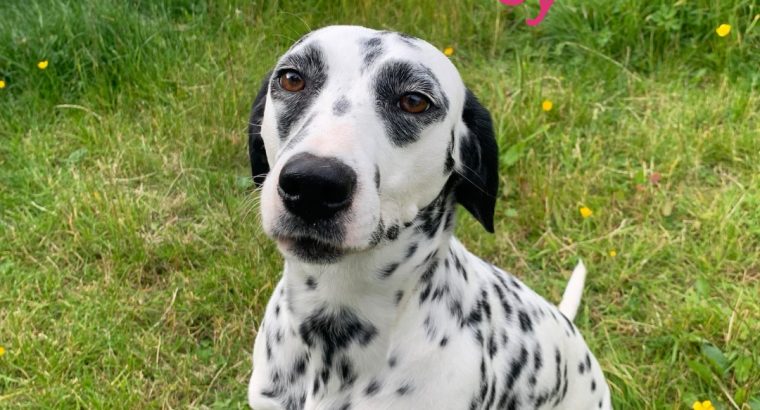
x=545, y=6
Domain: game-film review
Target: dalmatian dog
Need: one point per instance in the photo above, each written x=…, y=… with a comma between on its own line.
x=362, y=143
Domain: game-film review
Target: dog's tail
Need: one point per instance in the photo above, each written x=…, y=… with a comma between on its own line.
x=571, y=299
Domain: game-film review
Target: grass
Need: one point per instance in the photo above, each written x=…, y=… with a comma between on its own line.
x=133, y=272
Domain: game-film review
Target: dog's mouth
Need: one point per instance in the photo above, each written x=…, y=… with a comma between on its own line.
x=310, y=249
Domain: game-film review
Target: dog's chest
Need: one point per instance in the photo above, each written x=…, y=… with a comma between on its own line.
x=469, y=335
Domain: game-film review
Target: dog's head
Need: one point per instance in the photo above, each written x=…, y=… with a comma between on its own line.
x=355, y=130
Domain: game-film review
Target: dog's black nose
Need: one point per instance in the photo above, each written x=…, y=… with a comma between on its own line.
x=315, y=187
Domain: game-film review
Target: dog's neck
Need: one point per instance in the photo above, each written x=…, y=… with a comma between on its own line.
x=373, y=287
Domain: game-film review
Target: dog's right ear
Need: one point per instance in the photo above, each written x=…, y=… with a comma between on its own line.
x=478, y=165
x=256, y=150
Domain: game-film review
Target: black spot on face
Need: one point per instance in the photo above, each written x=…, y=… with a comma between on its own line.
x=310, y=63
x=311, y=283
x=377, y=177
x=372, y=48
x=593, y=385
x=341, y=106
x=396, y=78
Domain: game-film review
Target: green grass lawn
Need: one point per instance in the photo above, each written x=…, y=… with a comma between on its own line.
x=133, y=271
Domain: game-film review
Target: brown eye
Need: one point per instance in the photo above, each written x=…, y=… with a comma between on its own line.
x=292, y=81
x=414, y=103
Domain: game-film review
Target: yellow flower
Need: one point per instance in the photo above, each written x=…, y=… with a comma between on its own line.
x=2, y=84
x=613, y=253
x=705, y=405
x=547, y=105
x=586, y=211
x=723, y=30
x=449, y=51
x=2, y=351
x=42, y=64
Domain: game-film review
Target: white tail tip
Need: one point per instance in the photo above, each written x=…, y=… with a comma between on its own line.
x=571, y=299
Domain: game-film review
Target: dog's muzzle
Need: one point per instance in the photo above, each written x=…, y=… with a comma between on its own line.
x=316, y=188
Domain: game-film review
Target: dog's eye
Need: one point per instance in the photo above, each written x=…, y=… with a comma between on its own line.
x=414, y=103
x=292, y=81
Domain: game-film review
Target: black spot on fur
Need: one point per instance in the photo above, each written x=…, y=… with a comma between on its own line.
x=505, y=306
x=538, y=360
x=392, y=233
x=372, y=48
x=411, y=250
x=430, y=217
x=516, y=367
x=377, y=177
x=493, y=347
x=341, y=106
x=346, y=373
x=444, y=341
x=377, y=235
x=525, y=323
x=388, y=270
x=372, y=388
x=404, y=389
x=311, y=283
x=398, y=297
x=335, y=331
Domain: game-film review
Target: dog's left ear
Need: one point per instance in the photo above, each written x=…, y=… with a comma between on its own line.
x=256, y=151
x=478, y=165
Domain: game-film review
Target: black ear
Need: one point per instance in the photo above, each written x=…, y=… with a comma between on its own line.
x=478, y=166
x=256, y=151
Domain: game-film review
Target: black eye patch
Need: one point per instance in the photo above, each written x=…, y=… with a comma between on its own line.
x=310, y=64
x=396, y=78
